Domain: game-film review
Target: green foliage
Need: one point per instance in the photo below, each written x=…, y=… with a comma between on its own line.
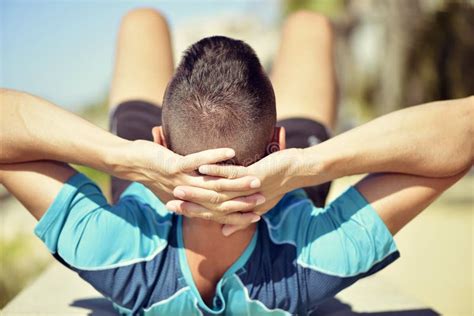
x=102, y=179
x=440, y=60
x=97, y=113
x=329, y=8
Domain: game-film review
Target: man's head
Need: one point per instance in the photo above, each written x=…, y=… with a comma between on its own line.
x=219, y=96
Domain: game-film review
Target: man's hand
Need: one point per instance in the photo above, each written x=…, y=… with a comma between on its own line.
x=161, y=170
x=277, y=175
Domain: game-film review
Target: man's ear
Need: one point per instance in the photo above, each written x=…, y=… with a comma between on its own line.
x=278, y=141
x=282, y=138
x=158, y=136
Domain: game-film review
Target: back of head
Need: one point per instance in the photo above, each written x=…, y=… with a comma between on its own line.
x=220, y=96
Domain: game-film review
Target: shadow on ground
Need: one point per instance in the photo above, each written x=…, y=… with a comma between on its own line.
x=333, y=307
x=97, y=306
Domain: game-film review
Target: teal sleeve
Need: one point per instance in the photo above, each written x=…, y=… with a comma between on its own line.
x=346, y=238
x=139, y=192
x=88, y=233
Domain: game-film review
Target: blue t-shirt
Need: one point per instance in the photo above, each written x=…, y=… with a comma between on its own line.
x=133, y=253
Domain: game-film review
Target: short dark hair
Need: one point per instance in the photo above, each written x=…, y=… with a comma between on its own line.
x=220, y=96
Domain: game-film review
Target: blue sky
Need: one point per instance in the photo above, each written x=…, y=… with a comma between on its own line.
x=63, y=50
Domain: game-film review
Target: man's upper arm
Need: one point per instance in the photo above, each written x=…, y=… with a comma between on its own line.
x=335, y=246
x=109, y=246
x=35, y=184
x=398, y=198
x=73, y=215
x=345, y=239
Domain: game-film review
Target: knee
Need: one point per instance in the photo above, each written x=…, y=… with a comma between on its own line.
x=309, y=23
x=144, y=17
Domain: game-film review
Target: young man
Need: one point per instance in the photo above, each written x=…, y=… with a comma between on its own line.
x=148, y=260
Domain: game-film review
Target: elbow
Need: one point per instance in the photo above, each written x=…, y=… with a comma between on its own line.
x=460, y=175
x=465, y=151
x=470, y=128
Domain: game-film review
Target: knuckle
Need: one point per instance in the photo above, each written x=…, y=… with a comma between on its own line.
x=225, y=220
x=225, y=209
x=215, y=198
x=248, y=206
x=218, y=186
x=207, y=216
x=174, y=168
x=234, y=173
x=241, y=184
x=214, y=170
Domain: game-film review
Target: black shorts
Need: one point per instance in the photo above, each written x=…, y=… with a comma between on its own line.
x=134, y=120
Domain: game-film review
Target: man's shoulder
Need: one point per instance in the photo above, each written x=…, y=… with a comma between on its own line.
x=288, y=217
x=292, y=202
x=142, y=197
x=80, y=222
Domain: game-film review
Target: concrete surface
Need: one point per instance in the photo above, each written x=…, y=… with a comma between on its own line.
x=437, y=264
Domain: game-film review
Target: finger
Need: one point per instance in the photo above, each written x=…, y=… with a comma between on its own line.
x=195, y=210
x=241, y=204
x=241, y=220
x=226, y=171
x=229, y=229
x=223, y=184
x=175, y=206
x=190, y=209
x=185, y=208
x=199, y=195
x=193, y=161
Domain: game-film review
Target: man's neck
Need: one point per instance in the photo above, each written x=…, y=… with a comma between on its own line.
x=209, y=253
x=205, y=238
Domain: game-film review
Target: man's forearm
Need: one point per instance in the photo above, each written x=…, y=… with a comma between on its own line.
x=35, y=129
x=432, y=140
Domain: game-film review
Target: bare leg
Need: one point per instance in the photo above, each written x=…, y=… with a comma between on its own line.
x=303, y=74
x=144, y=59
x=143, y=67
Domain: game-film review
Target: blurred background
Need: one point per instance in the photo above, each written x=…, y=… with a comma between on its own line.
x=389, y=55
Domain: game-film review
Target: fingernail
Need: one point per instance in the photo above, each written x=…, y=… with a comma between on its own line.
x=179, y=193
x=230, y=153
x=170, y=207
x=203, y=169
x=255, y=219
x=260, y=200
x=255, y=184
x=226, y=231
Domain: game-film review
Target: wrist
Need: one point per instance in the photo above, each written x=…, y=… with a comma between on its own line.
x=301, y=169
x=316, y=165
x=138, y=160
x=118, y=159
